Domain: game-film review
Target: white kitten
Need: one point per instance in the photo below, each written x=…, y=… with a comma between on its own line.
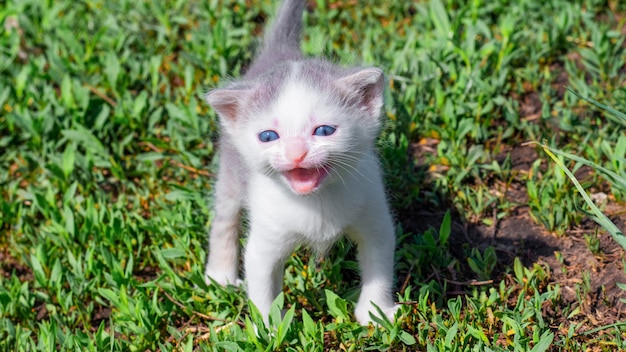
x=297, y=151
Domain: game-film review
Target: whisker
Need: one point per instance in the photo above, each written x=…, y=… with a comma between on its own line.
x=344, y=162
x=330, y=170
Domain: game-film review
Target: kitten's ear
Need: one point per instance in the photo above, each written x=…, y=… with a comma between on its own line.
x=226, y=102
x=365, y=89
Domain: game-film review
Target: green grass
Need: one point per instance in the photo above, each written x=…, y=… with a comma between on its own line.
x=106, y=164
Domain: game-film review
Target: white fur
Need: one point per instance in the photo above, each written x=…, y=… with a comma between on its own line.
x=350, y=201
x=280, y=220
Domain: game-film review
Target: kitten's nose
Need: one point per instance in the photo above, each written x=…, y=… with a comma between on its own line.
x=299, y=158
x=296, y=150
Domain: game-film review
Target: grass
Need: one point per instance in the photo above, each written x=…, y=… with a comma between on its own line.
x=106, y=161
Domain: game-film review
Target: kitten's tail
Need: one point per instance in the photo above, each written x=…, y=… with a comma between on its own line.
x=287, y=26
x=282, y=39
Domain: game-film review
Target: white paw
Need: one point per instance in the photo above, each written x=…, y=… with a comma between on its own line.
x=222, y=278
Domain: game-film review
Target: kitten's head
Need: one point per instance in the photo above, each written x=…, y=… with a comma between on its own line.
x=305, y=124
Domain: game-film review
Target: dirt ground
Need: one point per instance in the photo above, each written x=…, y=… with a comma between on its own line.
x=517, y=235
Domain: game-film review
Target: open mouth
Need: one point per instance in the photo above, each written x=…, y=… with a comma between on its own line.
x=305, y=181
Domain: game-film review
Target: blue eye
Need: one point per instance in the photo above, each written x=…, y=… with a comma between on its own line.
x=268, y=136
x=324, y=130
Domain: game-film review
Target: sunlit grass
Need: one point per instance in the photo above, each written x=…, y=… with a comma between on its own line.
x=107, y=158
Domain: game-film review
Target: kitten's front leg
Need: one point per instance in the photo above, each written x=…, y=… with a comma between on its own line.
x=264, y=262
x=375, y=238
x=222, y=259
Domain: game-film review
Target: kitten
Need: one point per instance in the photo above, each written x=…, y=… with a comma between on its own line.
x=297, y=151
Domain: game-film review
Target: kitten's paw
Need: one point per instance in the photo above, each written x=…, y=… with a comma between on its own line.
x=363, y=311
x=222, y=278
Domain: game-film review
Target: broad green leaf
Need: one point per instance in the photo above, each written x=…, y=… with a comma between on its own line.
x=40, y=274
x=102, y=118
x=110, y=295
x=56, y=274
x=21, y=81
x=284, y=326
x=407, y=338
x=172, y=253
x=451, y=334
x=309, y=326
x=84, y=137
x=4, y=94
x=68, y=214
x=68, y=160
x=275, y=310
x=518, y=268
x=479, y=334
x=67, y=95
x=439, y=17
x=228, y=346
x=544, y=342
x=337, y=307
x=112, y=68
x=150, y=156
x=140, y=104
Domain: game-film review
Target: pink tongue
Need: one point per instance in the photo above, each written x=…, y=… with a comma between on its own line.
x=305, y=181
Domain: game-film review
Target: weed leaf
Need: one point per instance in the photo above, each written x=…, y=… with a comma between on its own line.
x=544, y=342
x=337, y=307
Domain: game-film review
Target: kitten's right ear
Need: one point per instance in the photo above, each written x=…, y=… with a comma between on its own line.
x=364, y=88
x=226, y=102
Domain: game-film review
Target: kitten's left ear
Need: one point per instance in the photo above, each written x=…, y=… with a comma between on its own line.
x=226, y=102
x=365, y=89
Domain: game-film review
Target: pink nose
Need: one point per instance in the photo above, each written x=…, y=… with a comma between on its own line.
x=296, y=150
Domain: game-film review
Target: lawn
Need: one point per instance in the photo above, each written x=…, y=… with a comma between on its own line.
x=107, y=159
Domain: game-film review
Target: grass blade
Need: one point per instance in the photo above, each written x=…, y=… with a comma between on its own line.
x=612, y=175
x=621, y=117
x=598, y=216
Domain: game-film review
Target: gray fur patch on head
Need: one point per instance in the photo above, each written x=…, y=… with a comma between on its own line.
x=356, y=89
x=239, y=101
x=359, y=89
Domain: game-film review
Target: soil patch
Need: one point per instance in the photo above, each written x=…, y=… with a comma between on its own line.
x=585, y=262
x=10, y=265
